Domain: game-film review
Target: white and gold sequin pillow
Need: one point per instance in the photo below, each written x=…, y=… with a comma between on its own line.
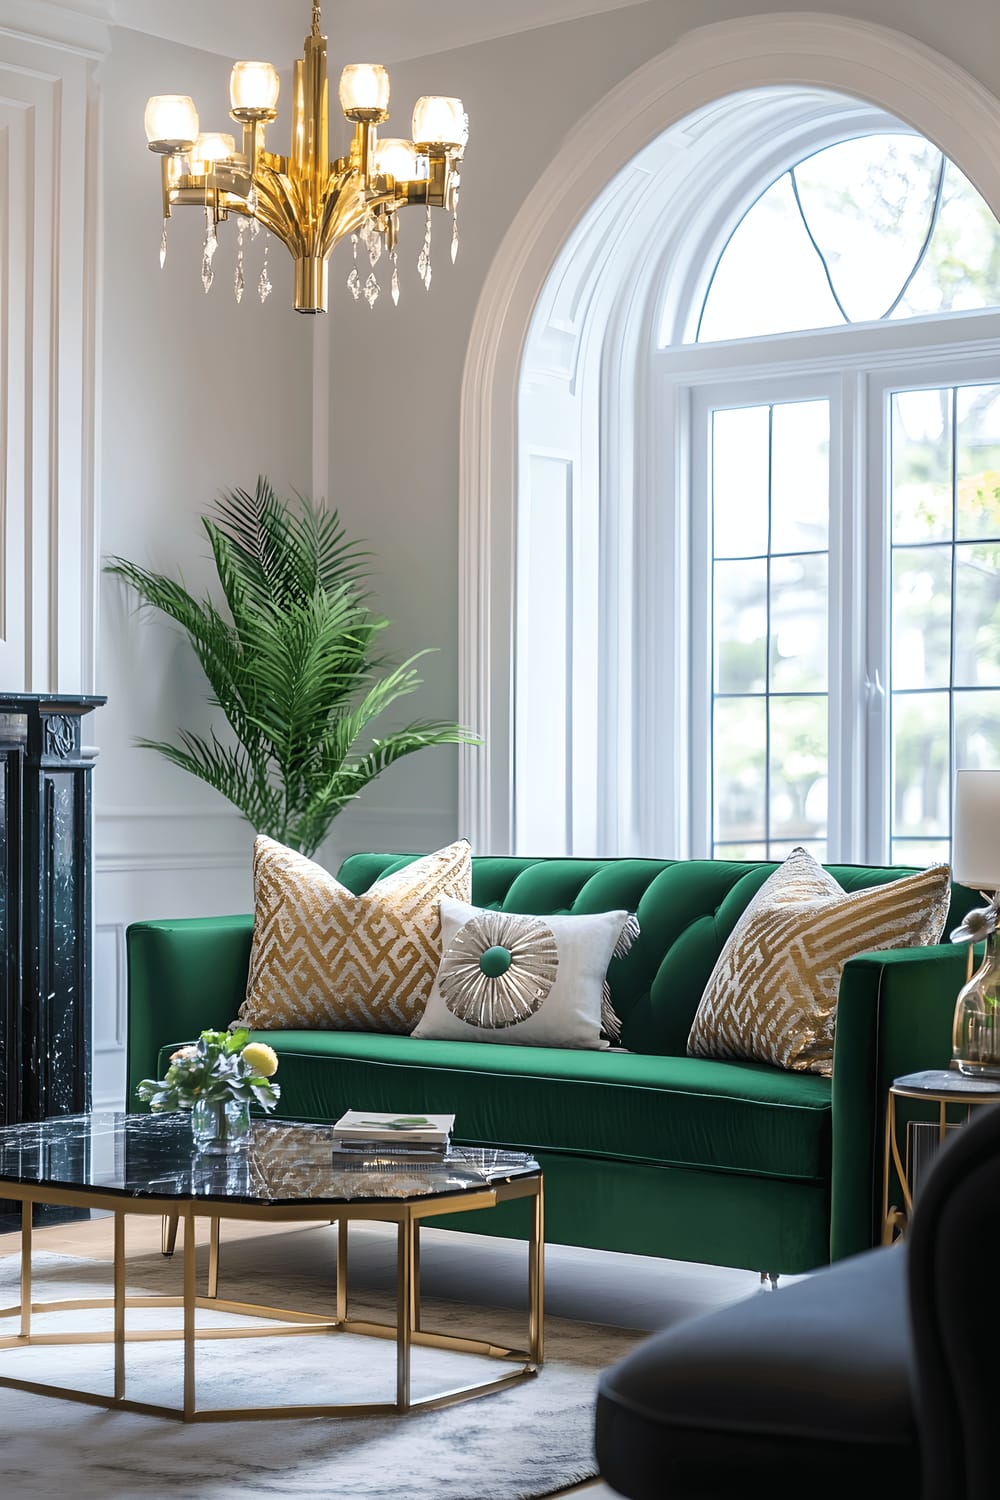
x=772, y=996
x=323, y=958
x=535, y=981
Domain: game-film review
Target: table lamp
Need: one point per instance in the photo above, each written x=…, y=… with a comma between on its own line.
x=975, y=862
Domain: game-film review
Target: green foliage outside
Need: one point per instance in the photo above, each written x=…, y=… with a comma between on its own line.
x=292, y=663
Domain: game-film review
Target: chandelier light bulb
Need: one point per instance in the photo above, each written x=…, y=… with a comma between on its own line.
x=397, y=158
x=440, y=122
x=364, y=92
x=210, y=147
x=171, y=122
x=253, y=91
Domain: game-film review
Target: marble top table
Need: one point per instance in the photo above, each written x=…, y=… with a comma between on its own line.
x=136, y=1163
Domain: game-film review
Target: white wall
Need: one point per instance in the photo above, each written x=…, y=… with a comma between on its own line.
x=198, y=395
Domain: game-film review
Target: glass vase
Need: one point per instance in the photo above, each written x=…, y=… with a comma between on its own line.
x=975, y=1041
x=220, y=1125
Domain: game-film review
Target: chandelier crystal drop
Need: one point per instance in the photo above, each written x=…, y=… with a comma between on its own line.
x=264, y=287
x=239, y=280
x=208, y=253
x=309, y=201
x=424, y=258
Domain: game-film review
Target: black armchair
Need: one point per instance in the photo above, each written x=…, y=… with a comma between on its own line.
x=879, y=1372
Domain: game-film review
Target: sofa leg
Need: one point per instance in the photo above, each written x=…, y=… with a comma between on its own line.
x=168, y=1233
x=769, y=1280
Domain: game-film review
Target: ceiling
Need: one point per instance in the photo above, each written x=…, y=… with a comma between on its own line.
x=365, y=31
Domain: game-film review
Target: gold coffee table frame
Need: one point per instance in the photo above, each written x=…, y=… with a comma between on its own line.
x=407, y=1332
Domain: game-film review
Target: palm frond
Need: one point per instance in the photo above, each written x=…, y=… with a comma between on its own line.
x=293, y=668
x=257, y=526
x=230, y=772
x=331, y=793
x=327, y=558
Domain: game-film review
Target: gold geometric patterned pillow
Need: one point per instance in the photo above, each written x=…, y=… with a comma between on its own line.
x=772, y=996
x=323, y=958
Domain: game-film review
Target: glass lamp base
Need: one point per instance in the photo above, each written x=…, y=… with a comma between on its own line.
x=976, y=1030
x=977, y=1069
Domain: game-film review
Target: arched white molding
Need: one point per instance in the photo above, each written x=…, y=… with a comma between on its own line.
x=885, y=67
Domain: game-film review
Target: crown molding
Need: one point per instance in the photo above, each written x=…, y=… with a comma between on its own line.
x=392, y=30
x=78, y=26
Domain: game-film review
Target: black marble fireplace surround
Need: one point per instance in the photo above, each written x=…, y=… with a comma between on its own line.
x=45, y=907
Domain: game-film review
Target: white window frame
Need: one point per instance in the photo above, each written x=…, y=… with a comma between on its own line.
x=762, y=390
x=846, y=367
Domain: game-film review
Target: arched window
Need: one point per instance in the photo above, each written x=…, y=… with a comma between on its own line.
x=881, y=226
x=758, y=596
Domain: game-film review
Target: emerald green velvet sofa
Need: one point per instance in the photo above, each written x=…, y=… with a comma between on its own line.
x=644, y=1149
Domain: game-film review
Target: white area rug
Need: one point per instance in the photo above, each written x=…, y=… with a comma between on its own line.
x=524, y=1442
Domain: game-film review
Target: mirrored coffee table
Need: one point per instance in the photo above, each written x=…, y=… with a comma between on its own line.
x=145, y=1164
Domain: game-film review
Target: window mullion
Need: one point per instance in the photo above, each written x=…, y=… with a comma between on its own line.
x=847, y=707
x=702, y=667
x=877, y=683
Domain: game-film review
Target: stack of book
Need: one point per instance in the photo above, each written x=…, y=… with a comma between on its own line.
x=367, y=1133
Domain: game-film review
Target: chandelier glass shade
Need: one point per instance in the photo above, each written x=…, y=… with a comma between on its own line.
x=308, y=201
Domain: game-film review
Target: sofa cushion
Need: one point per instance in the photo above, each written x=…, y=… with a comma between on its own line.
x=325, y=956
x=668, y=1111
x=686, y=909
x=527, y=981
x=772, y=996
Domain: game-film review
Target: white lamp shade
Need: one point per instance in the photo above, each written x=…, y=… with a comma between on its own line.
x=211, y=146
x=397, y=158
x=171, y=122
x=440, y=121
x=975, y=845
x=253, y=89
x=364, y=91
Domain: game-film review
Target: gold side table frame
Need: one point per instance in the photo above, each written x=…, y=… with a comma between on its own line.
x=894, y=1218
x=407, y=1331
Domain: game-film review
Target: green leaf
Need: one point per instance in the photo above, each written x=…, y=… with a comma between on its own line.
x=289, y=656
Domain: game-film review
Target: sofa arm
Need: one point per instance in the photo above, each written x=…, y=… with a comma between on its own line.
x=894, y=1016
x=183, y=976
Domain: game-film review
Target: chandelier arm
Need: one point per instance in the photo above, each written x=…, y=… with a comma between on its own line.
x=285, y=207
x=278, y=176
x=264, y=216
x=345, y=207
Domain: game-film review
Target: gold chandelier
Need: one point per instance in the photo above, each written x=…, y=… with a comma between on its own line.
x=308, y=201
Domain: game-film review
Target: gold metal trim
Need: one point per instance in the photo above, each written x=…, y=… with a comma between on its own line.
x=895, y=1218
x=278, y=1322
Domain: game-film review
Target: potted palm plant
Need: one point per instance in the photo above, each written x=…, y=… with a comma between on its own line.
x=292, y=662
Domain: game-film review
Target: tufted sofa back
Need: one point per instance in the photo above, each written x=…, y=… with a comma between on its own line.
x=686, y=910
